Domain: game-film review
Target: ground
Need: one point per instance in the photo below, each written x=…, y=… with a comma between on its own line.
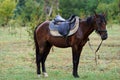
x=17, y=58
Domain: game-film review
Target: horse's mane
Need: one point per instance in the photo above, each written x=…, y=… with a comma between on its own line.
x=89, y=20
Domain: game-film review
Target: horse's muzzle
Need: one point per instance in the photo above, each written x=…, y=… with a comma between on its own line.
x=104, y=37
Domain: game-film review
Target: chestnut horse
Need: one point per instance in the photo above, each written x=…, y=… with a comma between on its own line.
x=44, y=40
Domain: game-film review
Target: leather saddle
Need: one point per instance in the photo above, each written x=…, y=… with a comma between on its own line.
x=63, y=26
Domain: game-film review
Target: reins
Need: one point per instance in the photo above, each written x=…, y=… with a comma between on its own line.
x=95, y=50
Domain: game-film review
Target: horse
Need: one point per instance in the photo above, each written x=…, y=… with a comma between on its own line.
x=44, y=40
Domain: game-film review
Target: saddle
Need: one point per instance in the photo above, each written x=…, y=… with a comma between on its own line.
x=58, y=18
x=62, y=26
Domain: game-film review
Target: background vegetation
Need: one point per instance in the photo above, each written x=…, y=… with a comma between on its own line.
x=18, y=18
x=32, y=12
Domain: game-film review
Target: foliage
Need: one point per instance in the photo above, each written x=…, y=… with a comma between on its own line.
x=112, y=10
x=6, y=10
x=20, y=5
x=78, y=7
x=33, y=14
x=84, y=8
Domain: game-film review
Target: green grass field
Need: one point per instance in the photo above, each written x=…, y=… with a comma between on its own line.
x=17, y=58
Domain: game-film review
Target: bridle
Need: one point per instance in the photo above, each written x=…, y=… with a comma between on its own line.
x=98, y=30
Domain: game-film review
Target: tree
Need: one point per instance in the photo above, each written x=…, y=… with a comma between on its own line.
x=112, y=9
x=6, y=11
x=78, y=7
x=39, y=12
x=51, y=8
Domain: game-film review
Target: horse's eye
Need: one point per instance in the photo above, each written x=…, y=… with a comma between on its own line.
x=102, y=21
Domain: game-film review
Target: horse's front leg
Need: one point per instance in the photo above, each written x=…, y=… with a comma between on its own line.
x=76, y=55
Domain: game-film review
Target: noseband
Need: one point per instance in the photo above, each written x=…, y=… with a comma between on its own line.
x=98, y=31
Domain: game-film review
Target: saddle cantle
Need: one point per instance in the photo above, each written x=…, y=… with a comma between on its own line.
x=61, y=27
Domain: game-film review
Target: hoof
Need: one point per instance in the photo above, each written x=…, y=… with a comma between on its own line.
x=76, y=76
x=45, y=74
x=39, y=75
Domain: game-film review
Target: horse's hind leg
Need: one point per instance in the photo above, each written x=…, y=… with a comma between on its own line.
x=38, y=58
x=45, y=54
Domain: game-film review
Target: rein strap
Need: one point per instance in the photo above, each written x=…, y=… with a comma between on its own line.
x=98, y=47
x=96, y=50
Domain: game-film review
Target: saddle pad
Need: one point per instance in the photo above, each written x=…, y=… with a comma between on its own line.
x=54, y=32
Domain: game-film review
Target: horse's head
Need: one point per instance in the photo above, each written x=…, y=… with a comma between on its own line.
x=100, y=25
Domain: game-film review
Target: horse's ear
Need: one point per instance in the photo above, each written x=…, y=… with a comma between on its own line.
x=105, y=13
x=95, y=14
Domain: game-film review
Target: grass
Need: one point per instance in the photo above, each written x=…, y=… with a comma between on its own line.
x=17, y=59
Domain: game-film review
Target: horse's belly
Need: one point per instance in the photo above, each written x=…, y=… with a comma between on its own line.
x=61, y=46
x=59, y=42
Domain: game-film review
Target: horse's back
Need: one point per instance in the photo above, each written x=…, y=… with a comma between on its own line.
x=43, y=27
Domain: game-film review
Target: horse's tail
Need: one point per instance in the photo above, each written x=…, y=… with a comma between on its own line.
x=35, y=41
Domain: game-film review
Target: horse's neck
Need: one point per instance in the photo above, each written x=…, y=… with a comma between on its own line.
x=86, y=28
